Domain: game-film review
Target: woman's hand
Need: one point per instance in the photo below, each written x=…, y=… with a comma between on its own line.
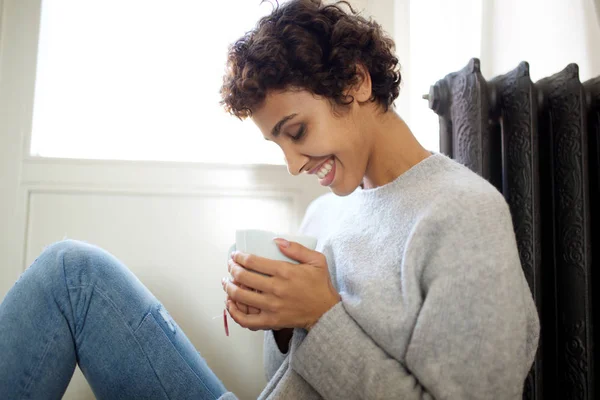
x=244, y=308
x=288, y=295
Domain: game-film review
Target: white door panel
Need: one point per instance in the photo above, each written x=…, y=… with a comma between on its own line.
x=172, y=225
x=177, y=246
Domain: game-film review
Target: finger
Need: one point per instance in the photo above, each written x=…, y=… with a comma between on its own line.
x=246, y=309
x=249, y=279
x=245, y=296
x=253, y=310
x=241, y=306
x=250, y=321
x=256, y=263
x=297, y=252
x=230, y=306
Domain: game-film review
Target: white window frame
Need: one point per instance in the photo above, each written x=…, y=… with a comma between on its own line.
x=22, y=174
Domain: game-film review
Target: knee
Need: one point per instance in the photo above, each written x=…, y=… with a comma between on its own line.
x=65, y=245
x=78, y=262
x=68, y=251
x=48, y=270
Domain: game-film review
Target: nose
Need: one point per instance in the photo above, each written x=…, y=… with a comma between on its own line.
x=295, y=161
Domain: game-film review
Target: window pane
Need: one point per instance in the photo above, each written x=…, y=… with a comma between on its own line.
x=140, y=79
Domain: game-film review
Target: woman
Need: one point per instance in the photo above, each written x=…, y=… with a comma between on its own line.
x=415, y=290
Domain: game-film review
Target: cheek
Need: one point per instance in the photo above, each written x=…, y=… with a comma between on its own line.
x=354, y=160
x=351, y=166
x=354, y=150
x=342, y=139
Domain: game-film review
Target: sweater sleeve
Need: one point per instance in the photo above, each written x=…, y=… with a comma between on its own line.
x=476, y=332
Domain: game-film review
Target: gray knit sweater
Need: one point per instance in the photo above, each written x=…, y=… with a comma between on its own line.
x=434, y=300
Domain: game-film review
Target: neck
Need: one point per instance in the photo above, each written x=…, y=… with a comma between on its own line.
x=394, y=150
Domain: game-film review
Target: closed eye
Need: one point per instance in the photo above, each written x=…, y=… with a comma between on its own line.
x=299, y=134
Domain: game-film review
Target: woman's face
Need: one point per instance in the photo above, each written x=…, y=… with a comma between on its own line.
x=314, y=140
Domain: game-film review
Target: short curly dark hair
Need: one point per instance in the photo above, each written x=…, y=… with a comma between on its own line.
x=305, y=44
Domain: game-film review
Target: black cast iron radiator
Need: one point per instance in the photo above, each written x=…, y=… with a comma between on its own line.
x=539, y=144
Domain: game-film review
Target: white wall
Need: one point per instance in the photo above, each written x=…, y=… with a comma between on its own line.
x=549, y=34
x=14, y=91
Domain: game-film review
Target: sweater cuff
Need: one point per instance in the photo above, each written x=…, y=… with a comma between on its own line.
x=321, y=351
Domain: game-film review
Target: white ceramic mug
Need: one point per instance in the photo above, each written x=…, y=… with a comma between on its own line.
x=260, y=243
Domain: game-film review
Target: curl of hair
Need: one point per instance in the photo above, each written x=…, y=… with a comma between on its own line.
x=305, y=44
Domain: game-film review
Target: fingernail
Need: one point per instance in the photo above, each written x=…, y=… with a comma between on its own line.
x=232, y=254
x=282, y=242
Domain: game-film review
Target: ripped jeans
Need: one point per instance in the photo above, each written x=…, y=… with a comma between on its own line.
x=78, y=304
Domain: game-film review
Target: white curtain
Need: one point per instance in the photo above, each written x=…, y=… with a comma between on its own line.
x=436, y=37
x=549, y=34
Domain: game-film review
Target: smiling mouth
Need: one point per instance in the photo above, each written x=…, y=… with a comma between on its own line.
x=325, y=172
x=320, y=166
x=325, y=169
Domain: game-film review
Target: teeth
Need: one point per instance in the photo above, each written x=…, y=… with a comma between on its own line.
x=325, y=169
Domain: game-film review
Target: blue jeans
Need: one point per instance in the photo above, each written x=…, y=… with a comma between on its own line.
x=78, y=304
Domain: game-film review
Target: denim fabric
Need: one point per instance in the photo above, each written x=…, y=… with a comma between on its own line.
x=78, y=304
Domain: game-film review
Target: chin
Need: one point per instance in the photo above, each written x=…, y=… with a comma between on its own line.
x=343, y=190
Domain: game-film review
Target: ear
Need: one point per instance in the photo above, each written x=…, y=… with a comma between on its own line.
x=362, y=90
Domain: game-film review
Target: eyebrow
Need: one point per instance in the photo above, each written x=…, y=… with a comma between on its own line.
x=277, y=128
